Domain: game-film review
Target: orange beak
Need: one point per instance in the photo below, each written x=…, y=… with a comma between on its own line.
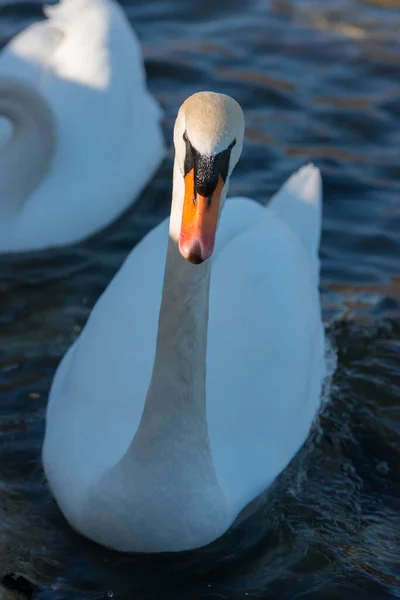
x=199, y=221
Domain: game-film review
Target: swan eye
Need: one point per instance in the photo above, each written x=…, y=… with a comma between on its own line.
x=206, y=168
x=224, y=158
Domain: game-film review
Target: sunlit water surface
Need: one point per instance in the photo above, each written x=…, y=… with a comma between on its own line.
x=318, y=81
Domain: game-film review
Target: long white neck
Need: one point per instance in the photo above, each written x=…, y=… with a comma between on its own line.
x=26, y=156
x=167, y=477
x=176, y=398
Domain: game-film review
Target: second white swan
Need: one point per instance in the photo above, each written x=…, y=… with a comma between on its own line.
x=85, y=133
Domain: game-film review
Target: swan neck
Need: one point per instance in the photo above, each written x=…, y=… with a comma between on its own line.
x=167, y=474
x=25, y=157
x=178, y=385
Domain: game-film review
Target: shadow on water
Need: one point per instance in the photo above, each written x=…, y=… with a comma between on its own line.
x=317, y=82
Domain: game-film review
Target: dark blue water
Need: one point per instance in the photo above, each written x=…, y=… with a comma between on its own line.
x=317, y=81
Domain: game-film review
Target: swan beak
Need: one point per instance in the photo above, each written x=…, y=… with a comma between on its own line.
x=199, y=221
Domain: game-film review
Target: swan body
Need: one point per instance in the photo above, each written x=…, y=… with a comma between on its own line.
x=86, y=134
x=192, y=386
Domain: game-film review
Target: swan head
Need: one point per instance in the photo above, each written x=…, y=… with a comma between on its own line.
x=208, y=138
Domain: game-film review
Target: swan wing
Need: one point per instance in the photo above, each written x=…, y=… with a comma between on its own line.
x=265, y=355
x=98, y=393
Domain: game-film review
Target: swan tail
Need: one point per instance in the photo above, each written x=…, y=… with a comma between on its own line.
x=29, y=52
x=66, y=10
x=57, y=12
x=299, y=204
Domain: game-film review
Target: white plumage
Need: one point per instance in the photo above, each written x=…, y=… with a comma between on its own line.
x=265, y=368
x=87, y=134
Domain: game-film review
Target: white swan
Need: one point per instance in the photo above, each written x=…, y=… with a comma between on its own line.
x=147, y=450
x=86, y=133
